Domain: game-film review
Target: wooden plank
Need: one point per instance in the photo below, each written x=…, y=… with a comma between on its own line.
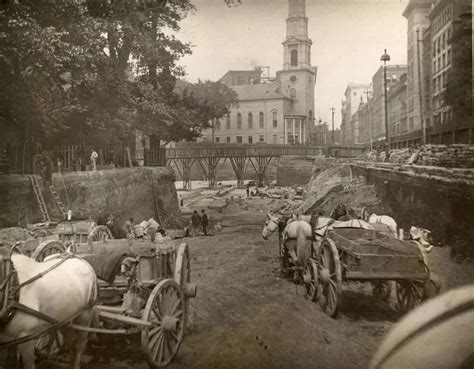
x=384, y=275
x=124, y=319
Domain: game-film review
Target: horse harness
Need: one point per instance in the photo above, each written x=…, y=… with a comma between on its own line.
x=10, y=290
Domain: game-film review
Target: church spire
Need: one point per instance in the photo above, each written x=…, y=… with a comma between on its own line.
x=297, y=45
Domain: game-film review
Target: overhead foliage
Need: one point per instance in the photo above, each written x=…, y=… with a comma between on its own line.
x=68, y=65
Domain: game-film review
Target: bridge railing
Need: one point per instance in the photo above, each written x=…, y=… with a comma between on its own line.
x=229, y=150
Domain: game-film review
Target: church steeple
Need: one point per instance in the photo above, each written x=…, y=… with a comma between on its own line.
x=297, y=45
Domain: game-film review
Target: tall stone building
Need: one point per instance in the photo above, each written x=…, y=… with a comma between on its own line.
x=394, y=72
x=355, y=94
x=281, y=110
x=416, y=14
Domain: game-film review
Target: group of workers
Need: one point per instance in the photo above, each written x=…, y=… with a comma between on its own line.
x=138, y=231
x=199, y=222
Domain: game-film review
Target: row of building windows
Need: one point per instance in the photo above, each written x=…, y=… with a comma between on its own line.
x=440, y=82
x=445, y=16
x=261, y=121
x=442, y=41
x=240, y=139
x=442, y=61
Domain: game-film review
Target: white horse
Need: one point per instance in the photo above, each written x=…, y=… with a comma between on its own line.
x=66, y=289
x=295, y=234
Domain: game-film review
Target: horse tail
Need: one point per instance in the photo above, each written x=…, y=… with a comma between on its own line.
x=301, y=245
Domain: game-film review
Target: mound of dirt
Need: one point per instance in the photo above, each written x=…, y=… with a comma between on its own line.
x=14, y=234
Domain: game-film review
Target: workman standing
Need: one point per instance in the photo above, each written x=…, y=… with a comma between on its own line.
x=128, y=228
x=196, y=223
x=204, y=222
x=94, y=157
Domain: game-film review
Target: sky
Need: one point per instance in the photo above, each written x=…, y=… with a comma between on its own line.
x=349, y=36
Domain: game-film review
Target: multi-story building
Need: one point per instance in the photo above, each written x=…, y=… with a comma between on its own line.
x=365, y=116
x=394, y=72
x=416, y=14
x=355, y=93
x=322, y=134
x=281, y=111
x=397, y=111
x=443, y=17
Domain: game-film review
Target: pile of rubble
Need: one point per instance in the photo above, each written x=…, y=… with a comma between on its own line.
x=449, y=156
x=293, y=193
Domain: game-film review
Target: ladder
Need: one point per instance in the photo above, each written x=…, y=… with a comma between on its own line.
x=57, y=200
x=40, y=199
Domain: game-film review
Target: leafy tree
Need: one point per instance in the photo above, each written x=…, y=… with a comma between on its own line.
x=71, y=66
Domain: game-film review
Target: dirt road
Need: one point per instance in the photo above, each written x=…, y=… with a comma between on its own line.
x=247, y=316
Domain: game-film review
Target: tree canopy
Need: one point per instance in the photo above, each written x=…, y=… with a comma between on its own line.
x=68, y=66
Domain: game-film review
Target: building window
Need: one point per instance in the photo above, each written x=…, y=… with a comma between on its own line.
x=261, y=138
x=239, y=121
x=227, y=121
x=275, y=119
x=250, y=120
x=261, y=120
x=275, y=139
x=250, y=140
x=227, y=139
x=218, y=124
x=294, y=58
x=217, y=140
x=238, y=139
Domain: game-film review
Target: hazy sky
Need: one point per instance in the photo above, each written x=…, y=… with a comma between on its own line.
x=348, y=36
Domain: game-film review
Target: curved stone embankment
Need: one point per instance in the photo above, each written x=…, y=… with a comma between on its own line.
x=128, y=192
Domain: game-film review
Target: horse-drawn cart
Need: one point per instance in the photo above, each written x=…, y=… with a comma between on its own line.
x=153, y=286
x=356, y=254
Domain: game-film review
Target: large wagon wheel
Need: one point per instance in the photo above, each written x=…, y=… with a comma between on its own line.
x=101, y=233
x=409, y=294
x=329, y=277
x=382, y=290
x=48, y=248
x=182, y=276
x=165, y=309
x=310, y=279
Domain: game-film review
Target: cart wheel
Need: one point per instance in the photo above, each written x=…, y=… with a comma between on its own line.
x=46, y=249
x=182, y=275
x=329, y=277
x=101, y=233
x=310, y=279
x=382, y=290
x=409, y=294
x=165, y=309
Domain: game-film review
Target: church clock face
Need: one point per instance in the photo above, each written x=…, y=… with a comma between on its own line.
x=293, y=78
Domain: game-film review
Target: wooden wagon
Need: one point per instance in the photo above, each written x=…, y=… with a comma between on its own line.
x=153, y=285
x=356, y=254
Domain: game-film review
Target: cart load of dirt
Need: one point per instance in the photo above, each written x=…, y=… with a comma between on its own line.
x=14, y=234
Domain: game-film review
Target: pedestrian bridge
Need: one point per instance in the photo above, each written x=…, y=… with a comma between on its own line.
x=209, y=156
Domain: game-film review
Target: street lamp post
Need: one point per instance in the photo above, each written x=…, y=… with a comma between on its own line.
x=332, y=111
x=385, y=58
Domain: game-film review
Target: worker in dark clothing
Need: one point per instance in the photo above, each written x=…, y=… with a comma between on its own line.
x=196, y=223
x=248, y=189
x=204, y=222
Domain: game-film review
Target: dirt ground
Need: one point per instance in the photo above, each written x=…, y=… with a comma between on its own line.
x=247, y=316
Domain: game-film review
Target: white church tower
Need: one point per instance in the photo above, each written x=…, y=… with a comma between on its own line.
x=298, y=77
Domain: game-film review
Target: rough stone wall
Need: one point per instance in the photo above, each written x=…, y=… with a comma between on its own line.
x=294, y=170
x=126, y=192
x=450, y=156
x=442, y=205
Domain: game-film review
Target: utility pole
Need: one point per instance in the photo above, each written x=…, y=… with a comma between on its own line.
x=367, y=92
x=420, y=87
x=332, y=111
